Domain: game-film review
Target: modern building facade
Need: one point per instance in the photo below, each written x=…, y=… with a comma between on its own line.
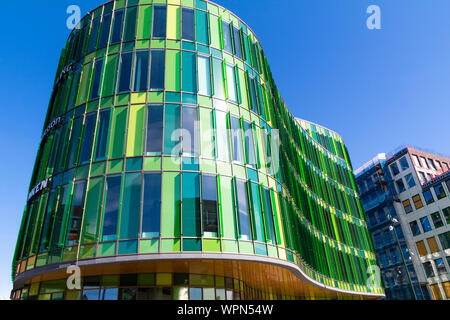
x=407, y=201
x=170, y=168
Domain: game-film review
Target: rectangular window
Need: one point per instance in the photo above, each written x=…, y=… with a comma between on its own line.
x=154, y=129
x=249, y=144
x=204, y=76
x=117, y=27
x=104, y=33
x=102, y=135
x=404, y=163
x=431, y=164
x=426, y=226
x=97, y=74
x=151, y=210
x=201, y=27
x=258, y=224
x=428, y=196
x=417, y=201
x=440, y=266
x=231, y=82
x=129, y=223
x=416, y=160
x=141, y=64
x=446, y=212
x=157, y=70
x=218, y=79
x=92, y=210
x=252, y=91
x=171, y=209
x=428, y=269
x=407, y=206
x=188, y=24
x=414, y=228
x=422, y=177
x=190, y=131
x=242, y=207
x=94, y=34
x=237, y=43
x=209, y=206
x=172, y=124
x=189, y=68
x=400, y=186
x=448, y=185
x=424, y=162
x=76, y=213
x=437, y=220
x=223, y=152
x=445, y=240
x=126, y=60
x=421, y=248
x=432, y=244
x=237, y=140
x=410, y=181
x=111, y=211
x=440, y=192
x=118, y=132
x=160, y=22
x=227, y=44
x=191, y=205
x=130, y=24
x=88, y=136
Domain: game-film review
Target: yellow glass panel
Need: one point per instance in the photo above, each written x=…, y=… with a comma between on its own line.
x=421, y=248
x=135, y=131
x=173, y=22
x=436, y=292
x=432, y=243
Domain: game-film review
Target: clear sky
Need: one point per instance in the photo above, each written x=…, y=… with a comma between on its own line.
x=377, y=88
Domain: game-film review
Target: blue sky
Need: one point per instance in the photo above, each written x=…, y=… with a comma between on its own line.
x=378, y=89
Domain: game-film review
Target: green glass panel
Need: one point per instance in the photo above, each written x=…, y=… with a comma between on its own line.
x=258, y=225
x=130, y=24
x=145, y=22
x=118, y=132
x=228, y=218
x=218, y=79
x=207, y=133
x=135, y=141
x=171, y=205
x=214, y=31
x=92, y=213
x=173, y=67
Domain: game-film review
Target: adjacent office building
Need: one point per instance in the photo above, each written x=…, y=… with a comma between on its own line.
x=170, y=168
x=406, y=196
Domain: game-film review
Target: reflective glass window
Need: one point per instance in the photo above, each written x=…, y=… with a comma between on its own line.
x=95, y=90
x=129, y=223
x=204, y=76
x=237, y=140
x=190, y=130
x=104, y=33
x=223, y=152
x=111, y=211
x=188, y=24
x=159, y=21
x=440, y=192
x=231, y=82
x=102, y=135
x=249, y=144
x=151, y=212
x=209, y=206
x=201, y=27
x=130, y=24
x=242, y=207
x=189, y=68
x=157, y=70
x=154, y=129
x=126, y=60
x=218, y=79
x=141, y=65
x=237, y=43
x=117, y=27
x=94, y=33
x=76, y=213
x=227, y=43
x=88, y=136
x=426, y=226
x=191, y=205
x=171, y=133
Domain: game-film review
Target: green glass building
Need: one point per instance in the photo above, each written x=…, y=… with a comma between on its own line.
x=170, y=168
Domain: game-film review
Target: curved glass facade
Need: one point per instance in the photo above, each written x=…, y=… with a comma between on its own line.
x=166, y=138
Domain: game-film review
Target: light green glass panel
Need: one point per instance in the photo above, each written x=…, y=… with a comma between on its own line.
x=223, y=152
x=242, y=89
x=170, y=245
x=118, y=132
x=207, y=133
x=214, y=31
x=227, y=214
x=171, y=205
x=218, y=79
x=136, y=128
x=92, y=213
x=145, y=22
x=84, y=84
x=173, y=67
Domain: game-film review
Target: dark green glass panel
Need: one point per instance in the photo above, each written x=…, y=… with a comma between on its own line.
x=191, y=205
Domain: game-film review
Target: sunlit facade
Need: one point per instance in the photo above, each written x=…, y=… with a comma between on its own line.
x=170, y=168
